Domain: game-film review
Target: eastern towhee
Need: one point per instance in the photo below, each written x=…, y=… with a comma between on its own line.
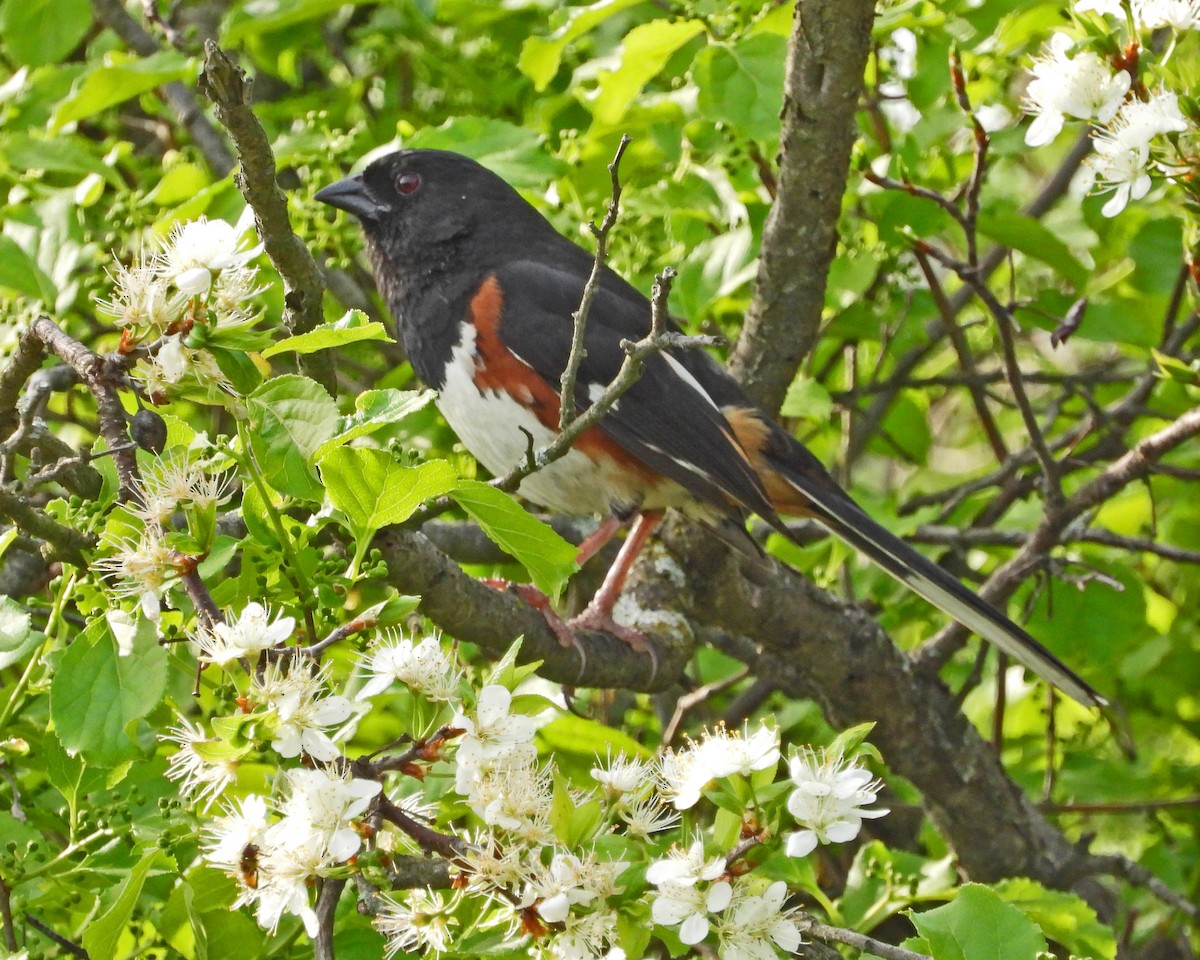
x=483, y=289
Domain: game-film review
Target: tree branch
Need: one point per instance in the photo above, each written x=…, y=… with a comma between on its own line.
x=230, y=91
x=827, y=54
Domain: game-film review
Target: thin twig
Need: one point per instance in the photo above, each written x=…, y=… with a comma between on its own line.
x=99, y=376
x=1115, y=865
x=1135, y=806
x=223, y=82
x=314, y=650
x=656, y=341
x=860, y=941
x=989, y=537
x=693, y=698
x=1005, y=322
x=566, y=396
x=327, y=901
x=965, y=358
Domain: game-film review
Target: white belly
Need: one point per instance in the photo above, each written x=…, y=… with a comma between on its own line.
x=490, y=424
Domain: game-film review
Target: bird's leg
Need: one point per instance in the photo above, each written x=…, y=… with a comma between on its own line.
x=598, y=614
x=596, y=541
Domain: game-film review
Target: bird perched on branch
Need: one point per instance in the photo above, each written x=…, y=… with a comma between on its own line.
x=483, y=289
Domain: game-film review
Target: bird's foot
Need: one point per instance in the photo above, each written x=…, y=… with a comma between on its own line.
x=594, y=617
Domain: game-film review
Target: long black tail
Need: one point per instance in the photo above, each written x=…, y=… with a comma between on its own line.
x=925, y=578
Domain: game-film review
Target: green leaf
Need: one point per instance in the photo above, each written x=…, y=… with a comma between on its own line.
x=101, y=936
x=352, y=328
x=1031, y=237
x=95, y=694
x=808, y=399
x=182, y=182
x=374, y=491
x=1063, y=917
x=541, y=56
x=43, y=31
x=509, y=151
x=21, y=151
x=646, y=50
x=373, y=410
x=271, y=15
x=290, y=417
x=119, y=77
x=978, y=925
x=17, y=636
x=572, y=734
x=19, y=272
x=549, y=559
x=69, y=775
x=742, y=84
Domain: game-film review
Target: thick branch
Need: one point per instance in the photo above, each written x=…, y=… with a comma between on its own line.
x=827, y=54
x=813, y=645
x=230, y=91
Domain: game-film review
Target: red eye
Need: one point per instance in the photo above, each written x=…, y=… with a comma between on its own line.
x=408, y=183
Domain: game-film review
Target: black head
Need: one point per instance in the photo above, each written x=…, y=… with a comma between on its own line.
x=414, y=199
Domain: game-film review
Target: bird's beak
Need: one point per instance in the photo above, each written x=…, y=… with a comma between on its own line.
x=354, y=196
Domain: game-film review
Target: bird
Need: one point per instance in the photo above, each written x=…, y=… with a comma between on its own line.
x=482, y=288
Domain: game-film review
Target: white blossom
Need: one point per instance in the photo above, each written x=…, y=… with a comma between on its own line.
x=420, y=923
x=756, y=923
x=302, y=711
x=490, y=735
x=685, y=867
x=201, y=780
x=1083, y=86
x=685, y=773
x=322, y=805
x=828, y=800
x=247, y=635
x=646, y=816
x=621, y=774
x=143, y=567
x=198, y=250
x=142, y=297
x=424, y=667
x=688, y=907
x=1176, y=14
x=236, y=837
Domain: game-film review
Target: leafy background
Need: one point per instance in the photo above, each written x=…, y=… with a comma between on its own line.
x=93, y=158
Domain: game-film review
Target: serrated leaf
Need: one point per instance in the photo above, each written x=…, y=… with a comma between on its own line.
x=808, y=399
x=102, y=933
x=979, y=925
x=511, y=152
x=95, y=693
x=20, y=272
x=645, y=51
x=846, y=743
x=116, y=79
x=1031, y=237
x=374, y=491
x=23, y=151
x=541, y=56
x=352, y=328
x=17, y=636
x=1063, y=917
x=742, y=84
x=549, y=558
x=37, y=33
x=290, y=417
x=373, y=410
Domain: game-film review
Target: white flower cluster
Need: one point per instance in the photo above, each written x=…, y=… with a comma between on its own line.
x=200, y=274
x=828, y=801
x=750, y=919
x=685, y=773
x=276, y=862
x=1130, y=123
x=518, y=874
